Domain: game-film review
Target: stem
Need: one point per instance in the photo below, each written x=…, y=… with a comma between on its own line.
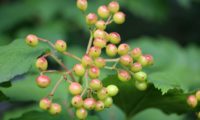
x=86, y=84
x=56, y=86
x=109, y=21
x=50, y=71
x=47, y=41
x=71, y=55
x=90, y=42
x=112, y=60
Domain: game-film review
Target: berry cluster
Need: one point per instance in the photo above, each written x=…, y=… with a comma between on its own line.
x=89, y=93
x=193, y=100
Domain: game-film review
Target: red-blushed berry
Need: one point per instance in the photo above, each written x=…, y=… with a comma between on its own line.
x=142, y=86
x=86, y=60
x=136, y=53
x=119, y=18
x=41, y=63
x=111, y=50
x=95, y=84
x=99, y=106
x=114, y=38
x=198, y=95
x=94, y=52
x=93, y=72
x=112, y=90
x=136, y=67
x=43, y=81
x=103, y=11
x=100, y=62
x=126, y=60
x=60, y=46
x=140, y=76
x=77, y=101
x=55, y=109
x=82, y=4
x=45, y=104
x=123, y=49
x=79, y=69
x=81, y=113
x=102, y=93
x=91, y=19
x=113, y=6
x=75, y=88
x=143, y=61
x=108, y=102
x=101, y=25
x=31, y=40
x=149, y=58
x=192, y=101
x=99, y=34
x=89, y=103
x=99, y=42
x=123, y=75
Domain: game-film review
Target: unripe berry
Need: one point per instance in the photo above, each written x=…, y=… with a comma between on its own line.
x=126, y=60
x=89, y=103
x=86, y=60
x=102, y=93
x=41, y=63
x=100, y=62
x=75, y=88
x=99, y=42
x=103, y=11
x=112, y=90
x=32, y=40
x=99, y=34
x=95, y=84
x=114, y=38
x=136, y=53
x=123, y=49
x=111, y=50
x=82, y=4
x=55, y=109
x=94, y=72
x=94, y=52
x=149, y=59
x=192, y=101
x=43, y=81
x=108, y=102
x=119, y=18
x=77, y=101
x=198, y=95
x=91, y=18
x=45, y=103
x=79, y=70
x=143, y=60
x=100, y=25
x=136, y=67
x=142, y=86
x=113, y=6
x=60, y=46
x=124, y=76
x=81, y=113
x=198, y=115
x=99, y=106
x=140, y=76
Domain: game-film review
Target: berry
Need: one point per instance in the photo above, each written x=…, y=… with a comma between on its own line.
x=94, y=72
x=55, y=109
x=198, y=115
x=79, y=70
x=89, y=103
x=136, y=53
x=124, y=76
x=43, y=81
x=86, y=60
x=108, y=102
x=91, y=18
x=143, y=61
x=112, y=90
x=99, y=106
x=111, y=50
x=192, y=101
x=136, y=67
x=75, y=88
x=149, y=59
x=94, y=52
x=99, y=42
x=140, y=76
x=126, y=60
x=113, y=6
x=32, y=40
x=45, y=103
x=82, y=4
x=77, y=101
x=81, y=113
x=198, y=95
x=123, y=49
x=101, y=25
x=60, y=46
x=95, y=84
x=102, y=93
x=142, y=86
x=100, y=62
x=99, y=34
x=114, y=38
x=41, y=63
x=103, y=11
x=119, y=18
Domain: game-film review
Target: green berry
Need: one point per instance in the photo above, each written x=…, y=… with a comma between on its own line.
x=94, y=52
x=55, y=109
x=126, y=60
x=136, y=53
x=79, y=70
x=99, y=106
x=102, y=93
x=86, y=60
x=113, y=6
x=100, y=62
x=142, y=86
x=89, y=103
x=82, y=4
x=124, y=75
x=114, y=38
x=143, y=61
x=99, y=42
x=95, y=84
x=81, y=113
x=77, y=101
x=91, y=19
x=112, y=90
x=94, y=72
x=198, y=95
x=101, y=25
x=136, y=67
x=108, y=102
x=41, y=63
x=43, y=81
x=45, y=104
x=103, y=11
x=119, y=18
x=111, y=50
x=123, y=49
x=100, y=34
x=75, y=88
x=192, y=101
x=60, y=46
x=149, y=59
x=32, y=40
x=140, y=76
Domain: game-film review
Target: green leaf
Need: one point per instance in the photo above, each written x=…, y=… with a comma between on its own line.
x=3, y=97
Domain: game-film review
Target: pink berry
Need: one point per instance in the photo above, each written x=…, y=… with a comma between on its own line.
x=111, y=50
x=79, y=70
x=124, y=75
x=114, y=38
x=113, y=6
x=126, y=60
x=100, y=62
x=94, y=52
x=136, y=67
x=86, y=60
x=75, y=88
x=95, y=84
x=143, y=61
x=89, y=103
x=103, y=11
x=91, y=19
x=77, y=101
x=101, y=25
x=192, y=101
x=94, y=72
x=149, y=59
x=99, y=106
x=99, y=42
x=43, y=81
x=82, y=4
x=41, y=63
x=60, y=46
x=55, y=109
x=45, y=103
x=119, y=18
x=32, y=40
x=136, y=53
x=123, y=49
x=100, y=34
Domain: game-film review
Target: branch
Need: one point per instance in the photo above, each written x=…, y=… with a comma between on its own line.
x=90, y=42
x=71, y=55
